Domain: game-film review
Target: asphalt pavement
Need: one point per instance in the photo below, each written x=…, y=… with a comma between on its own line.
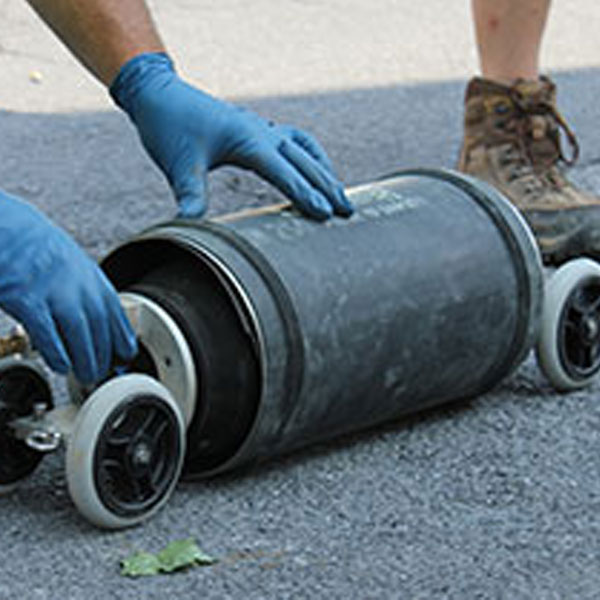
x=494, y=498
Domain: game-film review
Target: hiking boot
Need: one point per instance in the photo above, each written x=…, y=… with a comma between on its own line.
x=512, y=139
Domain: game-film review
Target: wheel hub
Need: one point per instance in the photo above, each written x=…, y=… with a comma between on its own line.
x=141, y=456
x=590, y=328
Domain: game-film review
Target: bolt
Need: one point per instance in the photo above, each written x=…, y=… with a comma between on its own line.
x=142, y=454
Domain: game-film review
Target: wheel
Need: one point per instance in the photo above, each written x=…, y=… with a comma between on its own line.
x=568, y=348
x=126, y=451
x=22, y=385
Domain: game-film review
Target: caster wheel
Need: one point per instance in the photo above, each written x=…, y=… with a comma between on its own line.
x=568, y=348
x=22, y=385
x=126, y=451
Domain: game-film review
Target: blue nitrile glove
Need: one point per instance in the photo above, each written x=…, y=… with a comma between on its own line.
x=68, y=307
x=188, y=133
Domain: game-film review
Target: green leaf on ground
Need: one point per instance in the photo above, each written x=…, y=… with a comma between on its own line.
x=177, y=555
x=140, y=563
x=182, y=554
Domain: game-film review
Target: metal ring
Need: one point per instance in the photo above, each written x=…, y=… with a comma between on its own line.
x=167, y=346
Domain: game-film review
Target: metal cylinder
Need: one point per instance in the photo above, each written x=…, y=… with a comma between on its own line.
x=300, y=331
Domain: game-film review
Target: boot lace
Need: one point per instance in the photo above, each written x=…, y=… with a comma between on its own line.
x=537, y=117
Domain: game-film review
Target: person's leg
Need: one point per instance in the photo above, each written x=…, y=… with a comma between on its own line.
x=514, y=134
x=509, y=35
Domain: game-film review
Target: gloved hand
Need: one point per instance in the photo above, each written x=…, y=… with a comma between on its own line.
x=68, y=307
x=188, y=132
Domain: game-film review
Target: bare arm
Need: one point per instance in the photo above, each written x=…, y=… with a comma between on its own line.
x=186, y=131
x=102, y=34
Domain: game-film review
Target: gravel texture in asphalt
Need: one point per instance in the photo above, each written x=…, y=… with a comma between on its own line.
x=493, y=498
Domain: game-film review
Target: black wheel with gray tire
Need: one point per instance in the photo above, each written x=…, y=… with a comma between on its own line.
x=568, y=348
x=22, y=385
x=126, y=451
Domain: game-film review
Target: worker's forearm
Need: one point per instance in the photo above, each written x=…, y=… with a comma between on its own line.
x=103, y=34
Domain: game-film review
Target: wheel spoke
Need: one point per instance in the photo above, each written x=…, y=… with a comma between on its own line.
x=576, y=313
x=149, y=483
x=115, y=452
x=581, y=353
x=594, y=305
x=577, y=301
x=158, y=467
x=112, y=464
x=143, y=487
x=136, y=489
x=126, y=429
x=586, y=300
x=116, y=439
x=146, y=426
x=585, y=357
x=161, y=427
x=571, y=328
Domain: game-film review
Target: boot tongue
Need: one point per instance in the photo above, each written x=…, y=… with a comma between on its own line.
x=530, y=90
x=534, y=94
x=478, y=86
x=534, y=98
